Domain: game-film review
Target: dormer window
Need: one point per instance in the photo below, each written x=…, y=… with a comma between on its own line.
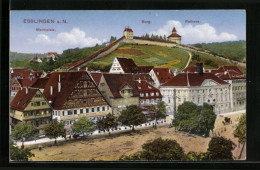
x=149, y=87
x=141, y=94
x=157, y=94
x=152, y=94
x=147, y=94
x=139, y=87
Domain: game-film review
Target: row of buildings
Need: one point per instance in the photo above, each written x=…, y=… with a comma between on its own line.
x=67, y=96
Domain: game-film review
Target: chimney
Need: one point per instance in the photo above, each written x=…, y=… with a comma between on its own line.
x=78, y=68
x=26, y=90
x=51, y=90
x=59, y=84
x=199, y=68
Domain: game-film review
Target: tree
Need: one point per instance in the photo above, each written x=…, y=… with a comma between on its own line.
x=23, y=131
x=107, y=123
x=17, y=154
x=220, y=148
x=83, y=125
x=159, y=149
x=206, y=120
x=240, y=131
x=54, y=130
x=112, y=39
x=132, y=116
x=195, y=119
x=158, y=112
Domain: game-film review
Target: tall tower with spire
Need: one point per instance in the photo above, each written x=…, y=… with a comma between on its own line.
x=174, y=37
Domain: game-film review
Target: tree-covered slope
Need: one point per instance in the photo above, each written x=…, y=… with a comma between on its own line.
x=235, y=50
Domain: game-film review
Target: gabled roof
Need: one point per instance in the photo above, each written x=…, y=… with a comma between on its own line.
x=96, y=77
x=68, y=81
x=163, y=74
x=116, y=81
x=17, y=72
x=27, y=82
x=174, y=30
x=145, y=87
x=21, y=99
x=52, y=53
x=127, y=64
x=229, y=73
x=192, y=79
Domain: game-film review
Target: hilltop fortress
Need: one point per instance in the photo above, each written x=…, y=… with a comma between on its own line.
x=128, y=38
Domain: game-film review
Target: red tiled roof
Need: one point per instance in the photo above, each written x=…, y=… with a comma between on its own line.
x=190, y=69
x=228, y=73
x=163, y=74
x=192, y=79
x=96, y=77
x=174, y=30
x=128, y=29
x=230, y=68
x=17, y=72
x=68, y=81
x=143, y=87
x=40, y=83
x=129, y=66
x=82, y=69
x=21, y=99
x=73, y=65
x=153, y=39
x=37, y=74
x=115, y=81
x=174, y=35
x=52, y=53
x=144, y=76
x=27, y=82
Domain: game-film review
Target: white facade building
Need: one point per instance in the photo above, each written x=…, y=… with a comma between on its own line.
x=198, y=88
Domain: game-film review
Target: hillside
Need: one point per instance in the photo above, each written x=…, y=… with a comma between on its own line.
x=235, y=50
x=147, y=55
x=13, y=56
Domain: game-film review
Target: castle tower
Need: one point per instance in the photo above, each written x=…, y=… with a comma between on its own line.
x=128, y=33
x=174, y=37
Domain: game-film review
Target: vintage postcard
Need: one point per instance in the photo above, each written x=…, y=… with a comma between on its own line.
x=120, y=85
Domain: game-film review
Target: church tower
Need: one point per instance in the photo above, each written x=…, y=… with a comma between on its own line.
x=174, y=37
x=128, y=33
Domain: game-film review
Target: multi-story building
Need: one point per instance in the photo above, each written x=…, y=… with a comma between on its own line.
x=30, y=105
x=15, y=86
x=73, y=95
x=198, y=88
x=119, y=90
x=237, y=79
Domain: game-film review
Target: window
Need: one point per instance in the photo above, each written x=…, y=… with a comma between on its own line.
x=141, y=94
x=169, y=100
x=157, y=94
x=179, y=99
x=81, y=111
x=198, y=99
x=63, y=113
x=75, y=112
x=147, y=94
x=97, y=109
x=87, y=110
x=32, y=104
x=147, y=101
x=184, y=99
x=93, y=110
x=152, y=94
x=37, y=103
x=43, y=103
x=69, y=112
x=103, y=108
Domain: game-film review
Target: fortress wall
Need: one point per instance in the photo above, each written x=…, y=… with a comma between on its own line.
x=110, y=50
x=147, y=42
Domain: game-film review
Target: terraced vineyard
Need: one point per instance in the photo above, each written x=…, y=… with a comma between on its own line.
x=146, y=55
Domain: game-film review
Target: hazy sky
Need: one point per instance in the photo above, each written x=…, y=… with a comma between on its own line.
x=86, y=28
